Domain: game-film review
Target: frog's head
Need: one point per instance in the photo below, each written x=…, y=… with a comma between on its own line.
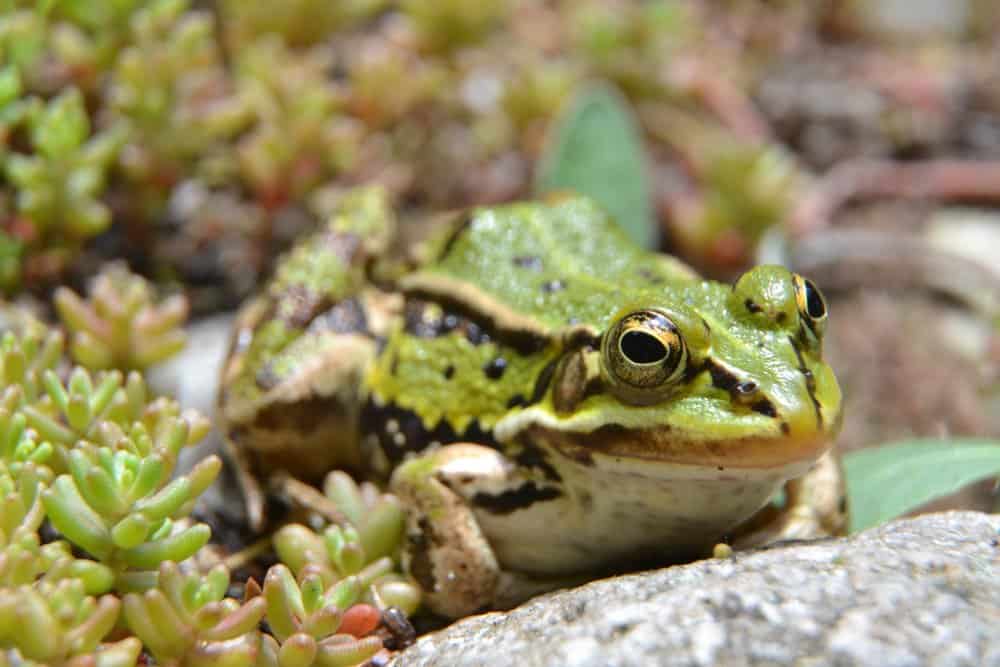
x=714, y=377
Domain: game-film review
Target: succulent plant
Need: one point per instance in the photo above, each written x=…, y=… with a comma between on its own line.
x=60, y=183
x=448, y=24
x=24, y=360
x=298, y=22
x=367, y=547
x=187, y=620
x=307, y=620
x=105, y=410
x=169, y=87
x=59, y=624
x=299, y=139
x=119, y=504
x=120, y=325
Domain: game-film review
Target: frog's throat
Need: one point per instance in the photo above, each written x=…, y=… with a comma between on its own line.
x=583, y=440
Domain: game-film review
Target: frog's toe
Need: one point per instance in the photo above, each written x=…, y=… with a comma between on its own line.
x=815, y=507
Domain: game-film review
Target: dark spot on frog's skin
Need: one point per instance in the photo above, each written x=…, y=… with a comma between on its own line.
x=745, y=392
x=785, y=428
x=650, y=277
x=530, y=262
x=394, y=366
x=420, y=566
x=553, y=286
x=720, y=468
x=462, y=225
x=474, y=333
x=531, y=456
x=810, y=379
x=722, y=377
x=347, y=316
x=495, y=367
x=265, y=378
x=420, y=320
x=524, y=496
x=516, y=401
x=752, y=306
x=299, y=305
x=781, y=317
x=449, y=372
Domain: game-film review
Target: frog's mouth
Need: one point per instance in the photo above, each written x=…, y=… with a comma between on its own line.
x=784, y=455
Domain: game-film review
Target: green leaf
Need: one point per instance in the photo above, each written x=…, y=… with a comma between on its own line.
x=886, y=482
x=595, y=149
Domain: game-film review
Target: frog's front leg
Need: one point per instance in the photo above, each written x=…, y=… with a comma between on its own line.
x=814, y=507
x=447, y=551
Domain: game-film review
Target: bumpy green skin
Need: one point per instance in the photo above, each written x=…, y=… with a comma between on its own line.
x=320, y=271
x=502, y=338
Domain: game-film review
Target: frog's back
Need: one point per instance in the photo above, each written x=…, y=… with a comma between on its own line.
x=546, y=265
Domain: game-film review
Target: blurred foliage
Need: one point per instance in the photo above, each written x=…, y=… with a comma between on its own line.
x=596, y=151
x=110, y=112
x=120, y=325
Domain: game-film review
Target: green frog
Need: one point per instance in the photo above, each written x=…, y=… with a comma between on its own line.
x=548, y=400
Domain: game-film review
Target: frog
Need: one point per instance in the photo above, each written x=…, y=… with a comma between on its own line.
x=549, y=401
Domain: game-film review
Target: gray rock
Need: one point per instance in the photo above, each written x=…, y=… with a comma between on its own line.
x=923, y=591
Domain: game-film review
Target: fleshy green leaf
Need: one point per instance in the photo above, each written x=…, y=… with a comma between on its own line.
x=885, y=482
x=595, y=149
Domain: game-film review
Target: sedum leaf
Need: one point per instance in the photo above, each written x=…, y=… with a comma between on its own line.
x=886, y=482
x=595, y=149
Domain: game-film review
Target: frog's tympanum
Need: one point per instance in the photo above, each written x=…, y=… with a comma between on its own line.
x=547, y=399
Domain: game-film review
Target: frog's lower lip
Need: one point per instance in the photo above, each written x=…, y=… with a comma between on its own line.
x=751, y=452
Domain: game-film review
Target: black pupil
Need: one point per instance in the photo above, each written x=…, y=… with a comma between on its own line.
x=642, y=348
x=814, y=302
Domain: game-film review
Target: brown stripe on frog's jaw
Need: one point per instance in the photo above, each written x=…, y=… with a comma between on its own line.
x=615, y=442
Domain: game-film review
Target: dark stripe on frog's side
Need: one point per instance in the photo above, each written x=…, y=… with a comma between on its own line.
x=810, y=381
x=524, y=342
x=461, y=225
x=512, y=500
x=424, y=319
x=419, y=544
x=409, y=435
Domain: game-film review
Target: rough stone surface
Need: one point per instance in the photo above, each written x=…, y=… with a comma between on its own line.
x=914, y=592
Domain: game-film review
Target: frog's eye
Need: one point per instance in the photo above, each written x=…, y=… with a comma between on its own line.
x=643, y=357
x=811, y=304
